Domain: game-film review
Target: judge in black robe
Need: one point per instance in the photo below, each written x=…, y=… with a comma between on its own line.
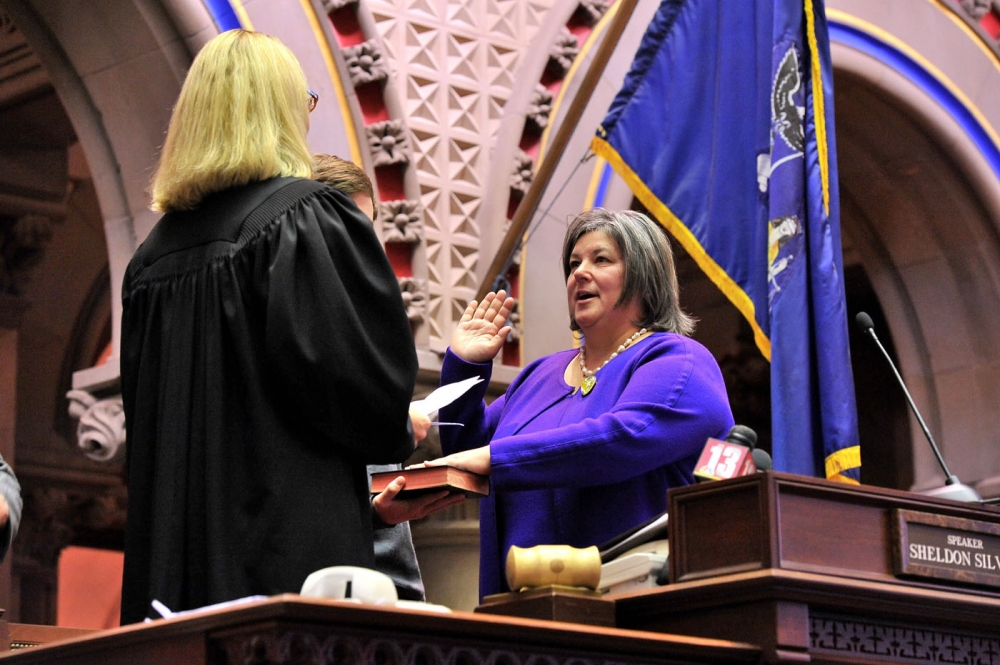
x=266, y=358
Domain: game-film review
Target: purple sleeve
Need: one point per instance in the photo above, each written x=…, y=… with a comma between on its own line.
x=671, y=398
x=479, y=420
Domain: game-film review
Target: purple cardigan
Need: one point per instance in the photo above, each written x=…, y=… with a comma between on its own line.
x=570, y=469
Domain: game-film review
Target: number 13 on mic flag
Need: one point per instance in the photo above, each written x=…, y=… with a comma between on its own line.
x=722, y=459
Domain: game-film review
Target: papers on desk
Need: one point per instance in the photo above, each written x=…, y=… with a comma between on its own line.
x=444, y=396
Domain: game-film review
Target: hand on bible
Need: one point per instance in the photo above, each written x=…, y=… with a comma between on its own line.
x=482, y=329
x=394, y=510
x=476, y=460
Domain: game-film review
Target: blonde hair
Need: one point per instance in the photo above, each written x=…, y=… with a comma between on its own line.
x=242, y=116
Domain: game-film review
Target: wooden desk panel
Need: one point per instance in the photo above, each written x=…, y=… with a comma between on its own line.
x=293, y=629
x=789, y=522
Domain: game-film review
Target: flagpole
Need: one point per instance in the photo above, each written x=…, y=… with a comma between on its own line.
x=529, y=204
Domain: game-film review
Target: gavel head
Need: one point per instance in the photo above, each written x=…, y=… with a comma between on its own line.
x=545, y=565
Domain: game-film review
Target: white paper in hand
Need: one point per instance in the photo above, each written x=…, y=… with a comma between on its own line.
x=444, y=396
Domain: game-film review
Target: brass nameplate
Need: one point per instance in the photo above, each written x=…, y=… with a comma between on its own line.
x=940, y=547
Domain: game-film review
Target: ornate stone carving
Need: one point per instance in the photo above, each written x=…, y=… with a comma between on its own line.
x=55, y=516
x=401, y=221
x=22, y=243
x=388, y=143
x=334, y=5
x=593, y=10
x=976, y=8
x=322, y=647
x=454, y=66
x=899, y=644
x=100, y=432
x=562, y=53
x=523, y=173
x=539, y=108
x=365, y=63
x=414, y=293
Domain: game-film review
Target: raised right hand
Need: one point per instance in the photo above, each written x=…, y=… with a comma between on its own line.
x=482, y=329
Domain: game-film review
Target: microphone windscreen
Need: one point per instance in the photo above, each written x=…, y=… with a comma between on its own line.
x=864, y=321
x=742, y=435
x=761, y=459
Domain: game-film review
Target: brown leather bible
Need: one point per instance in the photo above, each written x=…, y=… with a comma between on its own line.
x=424, y=479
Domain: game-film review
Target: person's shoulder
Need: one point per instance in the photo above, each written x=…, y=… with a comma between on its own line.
x=669, y=343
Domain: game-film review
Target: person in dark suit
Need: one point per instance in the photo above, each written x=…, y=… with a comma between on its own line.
x=394, y=552
x=266, y=356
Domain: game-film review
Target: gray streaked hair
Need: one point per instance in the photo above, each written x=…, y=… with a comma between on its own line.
x=649, y=266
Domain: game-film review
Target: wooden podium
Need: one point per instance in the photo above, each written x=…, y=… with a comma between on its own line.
x=823, y=572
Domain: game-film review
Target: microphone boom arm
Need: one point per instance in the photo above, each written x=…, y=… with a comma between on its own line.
x=949, y=478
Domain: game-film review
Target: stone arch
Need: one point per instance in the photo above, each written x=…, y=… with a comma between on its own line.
x=920, y=210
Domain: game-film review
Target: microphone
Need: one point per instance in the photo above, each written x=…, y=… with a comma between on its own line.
x=730, y=458
x=761, y=460
x=746, y=436
x=953, y=488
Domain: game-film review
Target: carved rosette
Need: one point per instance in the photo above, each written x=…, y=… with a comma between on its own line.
x=100, y=432
x=365, y=63
x=514, y=321
x=976, y=8
x=539, y=108
x=563, y=52
x=414, y=292
x=388, y=143
x=593, y=10
x=402, y=221
x=523, y=173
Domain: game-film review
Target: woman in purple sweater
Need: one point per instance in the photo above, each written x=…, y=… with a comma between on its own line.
x=586, y=442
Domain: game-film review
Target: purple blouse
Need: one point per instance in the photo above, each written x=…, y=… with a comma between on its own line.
x=575, y=469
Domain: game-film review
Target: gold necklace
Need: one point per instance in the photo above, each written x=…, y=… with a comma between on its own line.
x=590, y=376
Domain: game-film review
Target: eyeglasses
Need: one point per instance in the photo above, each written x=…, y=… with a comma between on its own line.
x=313, y=100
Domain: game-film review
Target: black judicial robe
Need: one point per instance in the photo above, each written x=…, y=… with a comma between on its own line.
x=266, y=358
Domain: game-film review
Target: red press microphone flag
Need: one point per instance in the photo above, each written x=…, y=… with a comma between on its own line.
x=723, y=459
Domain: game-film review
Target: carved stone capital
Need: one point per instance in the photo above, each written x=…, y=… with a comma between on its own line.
x=100, y=432
x=365, y=62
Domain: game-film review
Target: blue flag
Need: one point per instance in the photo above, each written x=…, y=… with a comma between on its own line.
x=724, y=130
